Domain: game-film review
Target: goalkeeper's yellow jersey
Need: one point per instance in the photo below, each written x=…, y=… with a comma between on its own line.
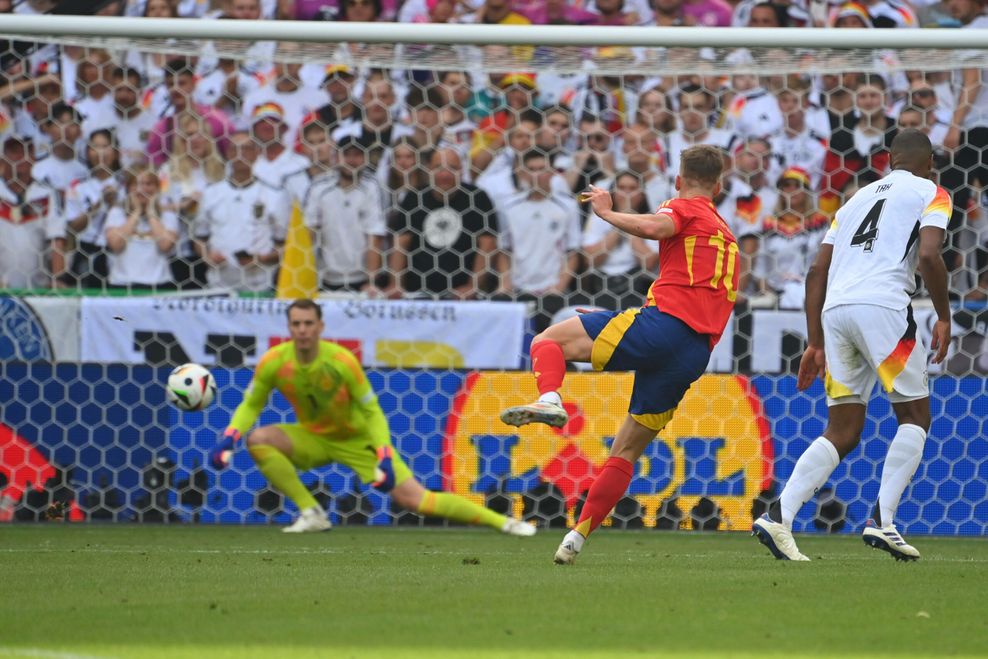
x=331, y=395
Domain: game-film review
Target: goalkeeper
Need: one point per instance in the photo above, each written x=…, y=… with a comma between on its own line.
x=339, y=420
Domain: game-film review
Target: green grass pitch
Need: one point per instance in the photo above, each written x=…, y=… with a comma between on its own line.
x=144, y=591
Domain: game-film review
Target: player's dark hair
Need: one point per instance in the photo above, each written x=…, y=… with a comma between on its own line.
x=303, y=304
x=702, y=163
x=910, y=148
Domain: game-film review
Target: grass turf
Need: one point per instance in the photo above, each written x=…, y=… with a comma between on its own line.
x=145, y=591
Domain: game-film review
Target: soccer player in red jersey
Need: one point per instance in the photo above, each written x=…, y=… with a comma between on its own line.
x=667, y=342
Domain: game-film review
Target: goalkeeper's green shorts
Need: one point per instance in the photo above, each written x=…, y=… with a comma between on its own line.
x=311, y=450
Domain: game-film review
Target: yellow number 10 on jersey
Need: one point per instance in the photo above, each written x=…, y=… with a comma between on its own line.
x=720, y=264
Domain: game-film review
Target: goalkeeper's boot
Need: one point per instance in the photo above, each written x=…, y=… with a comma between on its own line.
x=777, y=538
x=566, y=553
x=889, y=539
x=312, y=520
x=540, y=411
x=517, y=527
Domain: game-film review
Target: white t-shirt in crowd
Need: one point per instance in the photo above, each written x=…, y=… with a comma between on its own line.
x=57, y=173
x=274, y=172
x=253, y=219
x=539, y=233
x=26, y=225
x=88, y=193
x=343, y=220
x=140, y=262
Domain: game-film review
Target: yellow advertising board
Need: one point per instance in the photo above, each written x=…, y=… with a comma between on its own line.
x=717, y=445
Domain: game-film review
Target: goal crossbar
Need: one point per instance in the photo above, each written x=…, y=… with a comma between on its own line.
x=543, y=35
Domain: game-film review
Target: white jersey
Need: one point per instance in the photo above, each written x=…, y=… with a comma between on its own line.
x=875, y=237
x=58, y=174
x=274, y=172
x=343, y=220
x=253, y=219
x=140, y=261
x=87, y=195
x=754, y=113
x=977, y=116
x=539, y=233
x=806, y=150
x=26, y=224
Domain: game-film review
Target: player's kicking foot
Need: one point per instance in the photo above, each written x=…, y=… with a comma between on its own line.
x=566, y=553
x=889, y=539
x=777, y=538
x=517, y=527
x=312, y=520
x=538, y=412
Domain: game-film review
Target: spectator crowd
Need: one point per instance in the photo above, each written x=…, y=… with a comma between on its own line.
x=138, y=170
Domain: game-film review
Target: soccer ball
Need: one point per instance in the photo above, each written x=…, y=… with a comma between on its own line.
x=190, y=387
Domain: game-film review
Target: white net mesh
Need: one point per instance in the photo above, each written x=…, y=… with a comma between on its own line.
x=399, y=181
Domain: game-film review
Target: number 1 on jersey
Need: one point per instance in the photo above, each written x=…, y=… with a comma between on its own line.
x=721, y=269
x=867, y=233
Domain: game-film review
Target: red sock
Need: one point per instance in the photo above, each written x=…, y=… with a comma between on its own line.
x=607, y=489
x=549, y=365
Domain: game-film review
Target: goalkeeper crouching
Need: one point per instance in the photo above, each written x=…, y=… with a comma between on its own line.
x=339, y=420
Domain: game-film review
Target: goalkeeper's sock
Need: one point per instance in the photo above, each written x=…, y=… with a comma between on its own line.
x=458, y=509
x=280, y=472
x=549, y=367
x=607, y=489
x=810, y=473
x=905, y=453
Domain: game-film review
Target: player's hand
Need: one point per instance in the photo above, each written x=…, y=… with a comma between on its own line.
x=600, y=199
x=941, y=340
x=384, y=473
x=220, y=456
x=812, y=364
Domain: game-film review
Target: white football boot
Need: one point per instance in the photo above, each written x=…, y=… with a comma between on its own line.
x=566, y=553
x=889, y=539
x=777, y=538
x=312, y=520
x=538, y=412
x=517, y=527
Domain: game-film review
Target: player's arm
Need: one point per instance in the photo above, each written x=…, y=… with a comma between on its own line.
x=365, y=401
x=378, y=433
x=255, y=398
x=653, y=226
x=813, y=362
x=934, y=273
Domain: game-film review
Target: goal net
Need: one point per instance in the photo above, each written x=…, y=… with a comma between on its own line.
x=161, y=200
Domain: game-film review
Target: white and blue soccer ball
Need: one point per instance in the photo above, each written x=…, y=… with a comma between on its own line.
x=190, y=387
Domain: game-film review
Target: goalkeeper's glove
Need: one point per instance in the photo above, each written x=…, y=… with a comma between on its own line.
x=384, y=473
x=220, y=456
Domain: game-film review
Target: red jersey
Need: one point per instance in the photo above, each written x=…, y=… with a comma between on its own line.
x=698, y=267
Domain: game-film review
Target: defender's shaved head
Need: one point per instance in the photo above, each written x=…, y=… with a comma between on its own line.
x=912, y=150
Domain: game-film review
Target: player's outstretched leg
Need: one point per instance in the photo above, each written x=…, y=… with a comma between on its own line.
x=412, y=496
x=563, y=341
x=549, y=367
x=281, y=473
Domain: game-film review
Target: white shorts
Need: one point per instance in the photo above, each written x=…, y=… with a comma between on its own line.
x=865, y=343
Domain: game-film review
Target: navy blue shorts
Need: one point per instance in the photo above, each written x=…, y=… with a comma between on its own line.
x=665, y=353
